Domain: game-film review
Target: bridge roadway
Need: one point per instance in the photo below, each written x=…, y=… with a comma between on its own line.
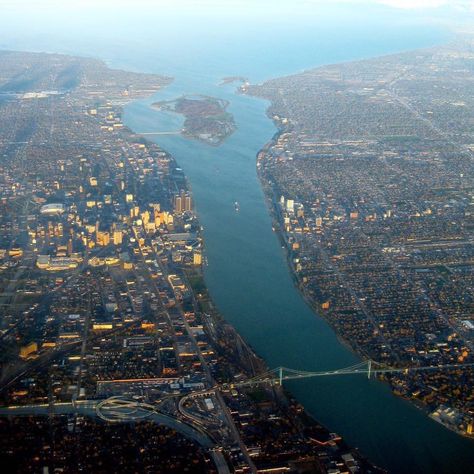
x=369, y=368
x=120, y=409
x=177, y=132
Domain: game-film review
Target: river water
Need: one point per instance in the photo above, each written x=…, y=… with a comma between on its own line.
x=247, y=273
x=251, y=284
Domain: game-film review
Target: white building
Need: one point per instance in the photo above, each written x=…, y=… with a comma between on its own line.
x=53, y=209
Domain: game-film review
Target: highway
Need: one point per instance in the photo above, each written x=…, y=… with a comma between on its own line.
x=119, y=409
x=89, y=408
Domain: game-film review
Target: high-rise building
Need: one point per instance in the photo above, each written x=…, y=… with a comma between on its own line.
x=178, y=204
x=197, y=258
x=103, y=238
x=145, y=217
x=135, y=211
x=118, y=237
x=188, y=204
x=182, y=202
x=157, y=217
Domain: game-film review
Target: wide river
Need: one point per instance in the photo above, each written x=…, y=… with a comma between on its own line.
x=247, y=272
x=251, y=284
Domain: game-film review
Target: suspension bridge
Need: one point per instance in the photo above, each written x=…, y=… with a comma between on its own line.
x=120, y=409
x=117, y=408
x=369, y=368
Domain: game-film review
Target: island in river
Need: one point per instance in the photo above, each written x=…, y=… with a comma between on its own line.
x=206, y=118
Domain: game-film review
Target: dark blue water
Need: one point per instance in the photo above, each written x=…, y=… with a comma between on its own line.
x=247, y=273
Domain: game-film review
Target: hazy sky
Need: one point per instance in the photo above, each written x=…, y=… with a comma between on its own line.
x=455, y=9
x=176, y=33
x=222, y=4
x=459, y=10
x=45, y=22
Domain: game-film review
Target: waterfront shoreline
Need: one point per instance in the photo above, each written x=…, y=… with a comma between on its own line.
x=303, y=416
x=200, y=350
x=268, y=187
x=300, y=314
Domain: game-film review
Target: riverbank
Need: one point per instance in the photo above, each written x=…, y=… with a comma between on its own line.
x=270, y=200
x=293, y=142
x=248, y=277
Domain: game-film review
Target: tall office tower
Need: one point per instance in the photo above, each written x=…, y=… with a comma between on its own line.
x=145, y=217
x=118, y=237
x=178, y=204
x=103, y=238
x=197, y=258
x=188, y=203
